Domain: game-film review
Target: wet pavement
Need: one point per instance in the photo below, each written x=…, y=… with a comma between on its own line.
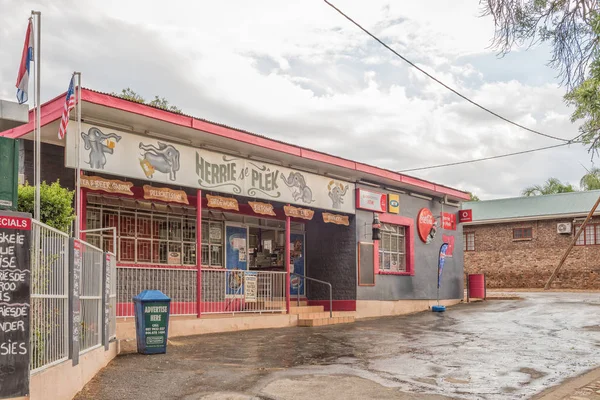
x=494, y=350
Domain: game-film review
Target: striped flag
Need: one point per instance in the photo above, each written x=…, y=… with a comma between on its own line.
x=69, y=105
x=26, y=58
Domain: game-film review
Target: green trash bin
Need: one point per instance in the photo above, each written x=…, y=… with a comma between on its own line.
x=152, y=308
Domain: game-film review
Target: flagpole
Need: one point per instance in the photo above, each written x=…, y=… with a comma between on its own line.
x=38, y=129
x=78, y=169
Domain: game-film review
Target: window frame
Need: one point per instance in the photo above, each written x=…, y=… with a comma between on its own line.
x=595, y=228
x=466, y=241
x=398, y=236
x=127, y=220
x=522, y=231
x=408, y=224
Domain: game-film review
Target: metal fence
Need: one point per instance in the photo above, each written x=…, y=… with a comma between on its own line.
x=232, y=291
x=223, y=291
x=177, y=283
x=92, y=310
x=112, y=300
x=49, y=296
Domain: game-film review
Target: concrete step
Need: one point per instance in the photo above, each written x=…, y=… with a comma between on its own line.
x=325, y=321
x=325, y=314
x=306, y=309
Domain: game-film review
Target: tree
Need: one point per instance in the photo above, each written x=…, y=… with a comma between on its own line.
x=567, y=25
x=56, y=208
x=551, y=186
x=572, y=28
x=591, y=180
x=130, y=95
x=586, y=100
x=473, y=197
x=159, y=102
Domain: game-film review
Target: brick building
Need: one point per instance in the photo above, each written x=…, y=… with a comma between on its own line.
x=518, y=242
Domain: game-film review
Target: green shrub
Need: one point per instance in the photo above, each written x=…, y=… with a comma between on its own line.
x=56, y=204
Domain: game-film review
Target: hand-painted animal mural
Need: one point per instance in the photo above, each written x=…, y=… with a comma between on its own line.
x=94, y=142
x=164, y=158
x=300, y=191
x=337, y=191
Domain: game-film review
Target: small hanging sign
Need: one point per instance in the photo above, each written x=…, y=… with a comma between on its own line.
x=106, y=185
x=336, y=219
x=262, y=208
x=165, y=194
x=297, y=212
x=226, y=203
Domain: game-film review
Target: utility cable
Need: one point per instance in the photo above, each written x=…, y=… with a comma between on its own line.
x=487, y=158
x=442, y=83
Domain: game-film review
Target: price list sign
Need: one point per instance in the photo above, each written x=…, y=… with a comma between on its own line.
x=15, y=309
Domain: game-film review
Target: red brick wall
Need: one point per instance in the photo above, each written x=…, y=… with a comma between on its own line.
x=510, y=263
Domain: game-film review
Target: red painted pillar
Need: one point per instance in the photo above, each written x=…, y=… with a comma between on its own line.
x=199, y=252
x=287, y=263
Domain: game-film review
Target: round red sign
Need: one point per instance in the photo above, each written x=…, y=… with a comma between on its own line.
x=425, y=225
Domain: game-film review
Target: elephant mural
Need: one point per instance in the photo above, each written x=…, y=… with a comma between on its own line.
x=94, y=142
x=164, y=158
x=300, y=191
x=337, y=193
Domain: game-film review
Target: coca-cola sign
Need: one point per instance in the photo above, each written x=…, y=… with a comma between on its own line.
x=426, y=225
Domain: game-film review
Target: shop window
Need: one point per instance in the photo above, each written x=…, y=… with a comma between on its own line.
x=212, y=243
x=146, y=234
x=392, y=248
x=590, y=235
x=522, y=233
x=469, y=241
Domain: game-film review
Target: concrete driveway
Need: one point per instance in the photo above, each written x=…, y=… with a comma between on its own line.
x=493, y=350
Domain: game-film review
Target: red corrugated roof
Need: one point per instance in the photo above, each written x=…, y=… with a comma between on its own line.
x=52, y=110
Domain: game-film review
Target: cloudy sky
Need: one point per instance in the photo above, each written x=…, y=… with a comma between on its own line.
x=299, y=72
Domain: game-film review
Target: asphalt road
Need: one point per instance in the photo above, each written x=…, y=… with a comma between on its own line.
x=494, y=350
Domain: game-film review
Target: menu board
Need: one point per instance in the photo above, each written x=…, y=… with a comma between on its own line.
x=15, y=306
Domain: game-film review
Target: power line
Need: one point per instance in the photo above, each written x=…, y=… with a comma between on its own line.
x=442, y=83
x=488, y=158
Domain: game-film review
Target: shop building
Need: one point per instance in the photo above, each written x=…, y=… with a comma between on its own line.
x=518, y=242
x=207, y=213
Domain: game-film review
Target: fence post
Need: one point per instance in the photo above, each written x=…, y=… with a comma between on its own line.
x=106, y=299
x=74, y=303
x=288, y=252
x=198, y=253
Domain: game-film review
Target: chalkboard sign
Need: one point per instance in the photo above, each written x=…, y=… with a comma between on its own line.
x=15, y=306
x=366, y=270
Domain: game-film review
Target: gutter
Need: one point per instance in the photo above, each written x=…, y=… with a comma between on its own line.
x=525, y=219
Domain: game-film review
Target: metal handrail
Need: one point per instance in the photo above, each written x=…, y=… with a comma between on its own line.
x=318, y=281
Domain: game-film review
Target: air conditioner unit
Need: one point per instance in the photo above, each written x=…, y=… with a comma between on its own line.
x=564, y=227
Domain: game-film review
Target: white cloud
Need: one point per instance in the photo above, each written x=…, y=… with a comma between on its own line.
x=299, y=72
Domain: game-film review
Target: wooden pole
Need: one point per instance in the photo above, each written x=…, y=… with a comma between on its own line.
x=564, y=257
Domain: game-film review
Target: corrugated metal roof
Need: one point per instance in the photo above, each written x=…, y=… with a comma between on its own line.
x=533, y=206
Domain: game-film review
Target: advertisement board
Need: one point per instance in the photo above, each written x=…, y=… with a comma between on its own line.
x=155, y=160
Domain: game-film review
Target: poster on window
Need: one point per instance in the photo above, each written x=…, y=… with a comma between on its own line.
x=297, y=263
x=250, y=287
x=215, y=234
x=235, y=263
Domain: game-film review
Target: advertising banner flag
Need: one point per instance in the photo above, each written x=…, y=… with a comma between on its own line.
x=441, y=262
